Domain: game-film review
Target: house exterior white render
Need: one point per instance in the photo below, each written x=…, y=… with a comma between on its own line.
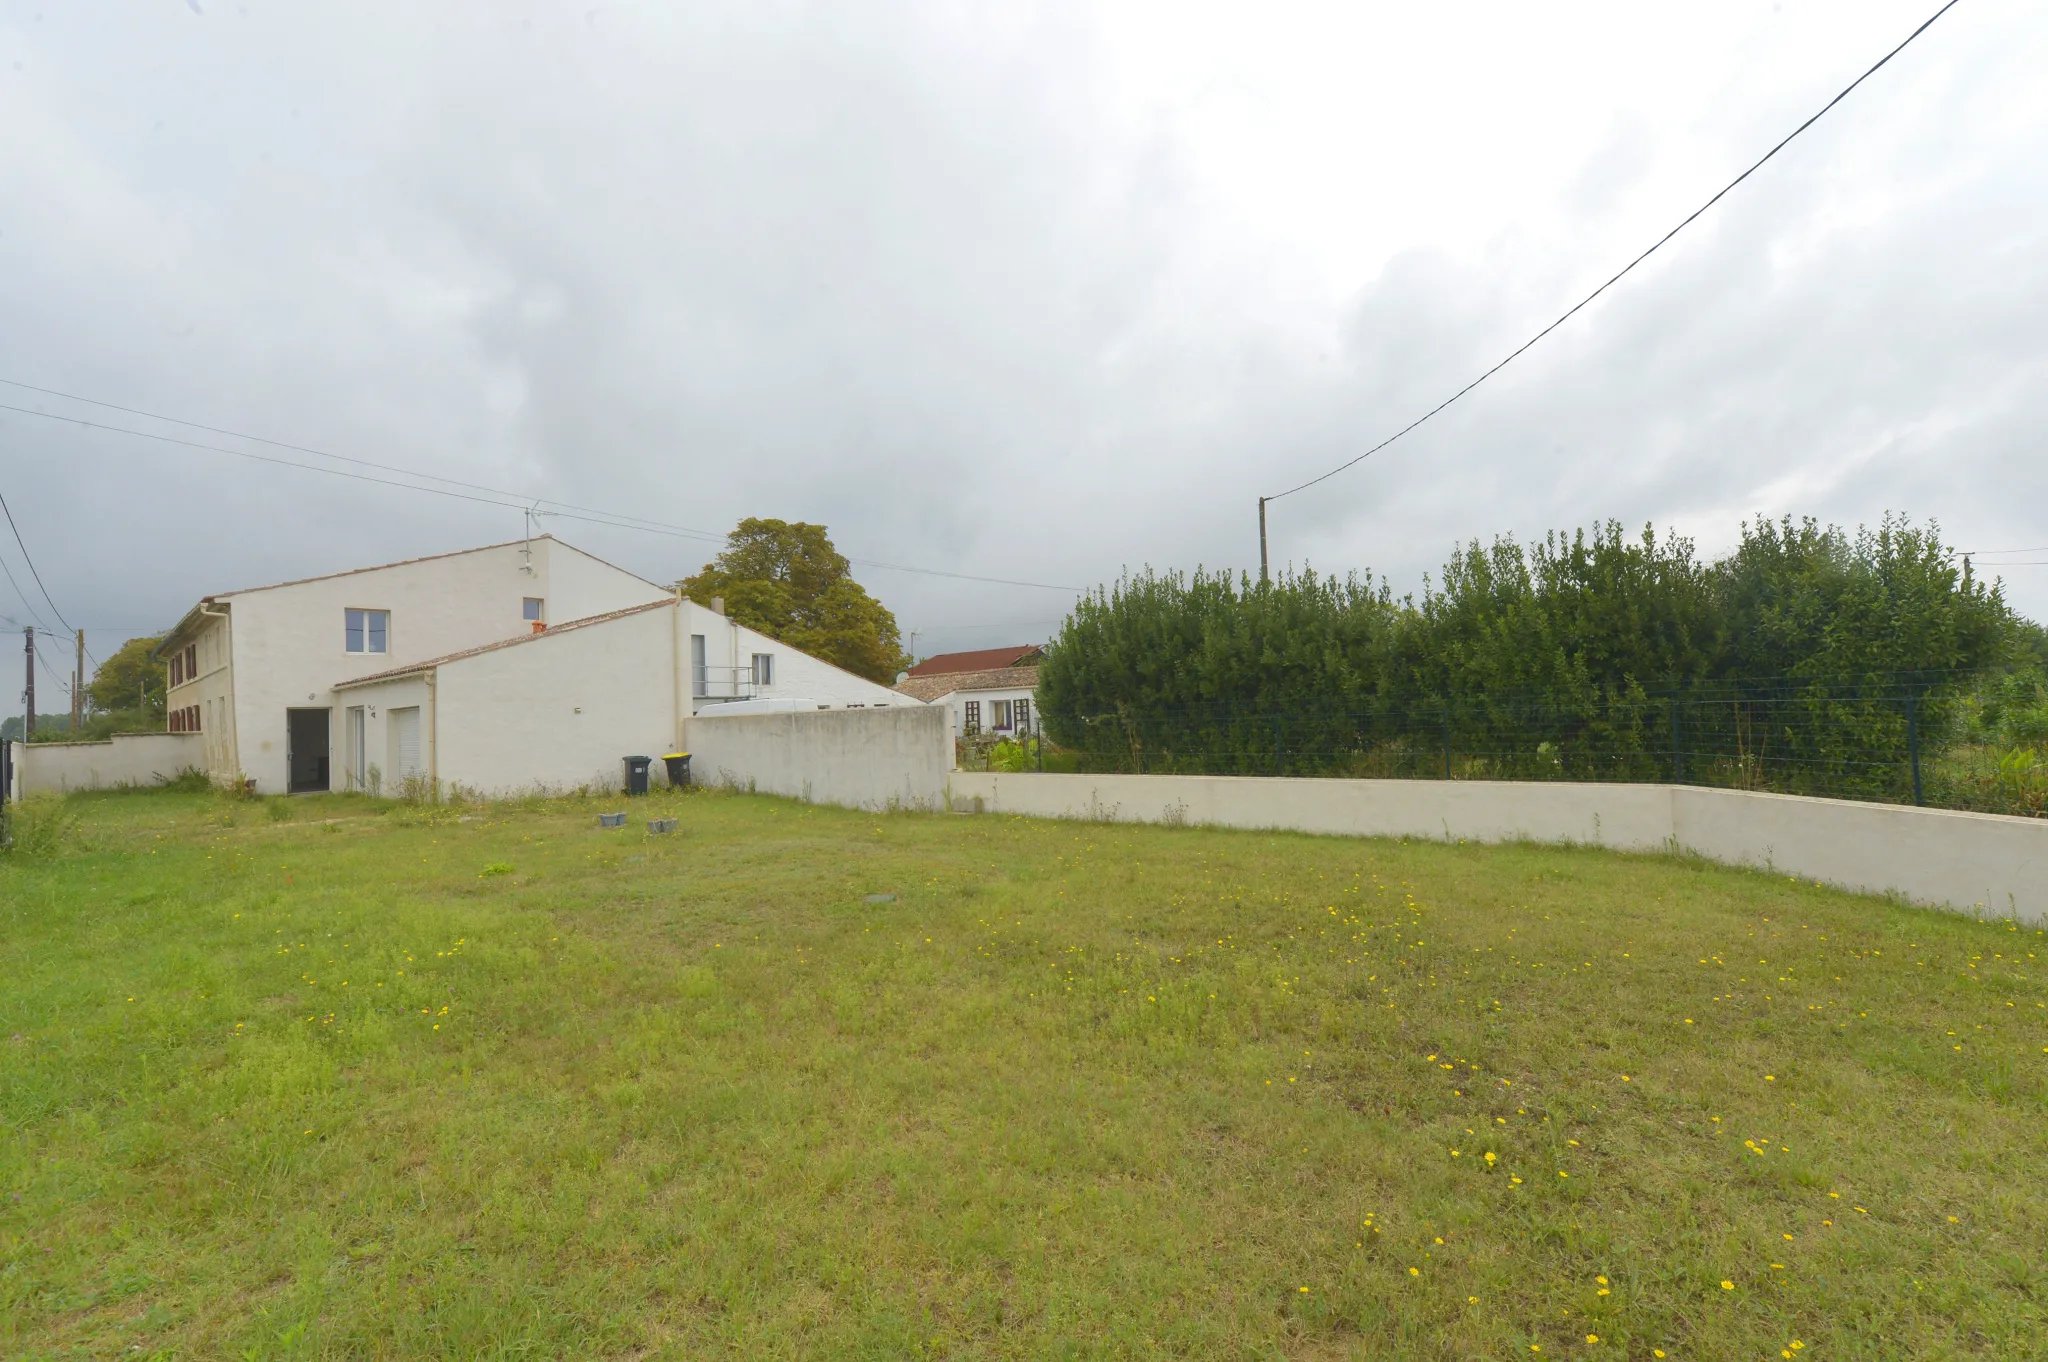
x=729, y=671
x=1000, y=702
x=560, y=709
x=263, y=653
x=1007, y=712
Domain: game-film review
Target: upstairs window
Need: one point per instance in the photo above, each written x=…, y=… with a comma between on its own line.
x=536, y=610
x=764, y=669
x=366, y=631
x=177, y=669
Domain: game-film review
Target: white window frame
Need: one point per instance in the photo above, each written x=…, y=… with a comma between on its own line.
x=764, y=669
x=534, y=609
x=367, y=613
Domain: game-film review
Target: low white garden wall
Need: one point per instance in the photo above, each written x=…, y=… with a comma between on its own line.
x=1978, y=863
x=126, y=759
x=896, y=756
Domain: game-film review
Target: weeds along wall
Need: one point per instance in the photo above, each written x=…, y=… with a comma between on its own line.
x=126, y=759
x=1982, y=864
x=898, y=756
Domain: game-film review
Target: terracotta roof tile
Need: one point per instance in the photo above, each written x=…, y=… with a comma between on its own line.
x=930, y=688
x=980, y=660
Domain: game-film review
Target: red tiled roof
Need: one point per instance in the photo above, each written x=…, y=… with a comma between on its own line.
x=980, y=660
x=930, y=688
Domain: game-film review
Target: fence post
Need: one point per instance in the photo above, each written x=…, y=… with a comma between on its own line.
x=1913, y=741
x=1677, y=742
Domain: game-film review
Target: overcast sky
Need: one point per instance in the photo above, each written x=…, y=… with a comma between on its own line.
x=1031, y=292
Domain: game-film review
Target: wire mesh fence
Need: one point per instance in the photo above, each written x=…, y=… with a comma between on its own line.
x=1901, y=738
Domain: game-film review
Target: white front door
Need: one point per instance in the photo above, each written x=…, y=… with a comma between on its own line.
x=358, y=751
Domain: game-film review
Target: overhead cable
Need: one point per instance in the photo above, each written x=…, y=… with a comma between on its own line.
x=31, y=567
x=571, y=511
x=31, y=605
x=308, y=449
x=1690, y=217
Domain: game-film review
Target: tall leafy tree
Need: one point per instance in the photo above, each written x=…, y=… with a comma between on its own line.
x=785, y=579
x=1803, y=599
x=130, y=682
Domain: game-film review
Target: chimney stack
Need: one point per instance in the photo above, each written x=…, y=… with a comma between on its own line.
x=718, y=605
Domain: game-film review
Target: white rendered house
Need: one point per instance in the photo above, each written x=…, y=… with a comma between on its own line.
x=991, y=692
x=560, y=709
x=264, y=675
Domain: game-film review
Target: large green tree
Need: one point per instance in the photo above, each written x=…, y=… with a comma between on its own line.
x=785, y=579
x=130, y=681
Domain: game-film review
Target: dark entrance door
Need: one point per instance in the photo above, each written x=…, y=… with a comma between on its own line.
x=305, y=750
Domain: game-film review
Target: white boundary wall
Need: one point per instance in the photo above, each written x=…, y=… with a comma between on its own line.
x=127, y=759
x=892, y=757
x=1976, y=863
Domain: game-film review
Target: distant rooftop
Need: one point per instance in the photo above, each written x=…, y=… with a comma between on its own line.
x=980, y=660
x=930, y=688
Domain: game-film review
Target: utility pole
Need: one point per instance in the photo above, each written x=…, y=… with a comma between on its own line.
x=1262, y=541
x=78, y=688
x=28, y=723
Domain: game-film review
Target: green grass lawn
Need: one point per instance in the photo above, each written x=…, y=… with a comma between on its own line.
x=329, y=1078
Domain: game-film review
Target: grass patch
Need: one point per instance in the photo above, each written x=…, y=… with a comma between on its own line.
x=345, y=1079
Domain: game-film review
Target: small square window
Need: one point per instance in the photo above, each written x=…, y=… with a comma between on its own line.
x=366, y=631
x=535, y=610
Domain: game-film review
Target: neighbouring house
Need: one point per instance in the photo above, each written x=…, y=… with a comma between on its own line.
x=990, y=692
x=516, y=666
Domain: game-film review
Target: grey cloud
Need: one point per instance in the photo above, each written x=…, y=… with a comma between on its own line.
x=929, y=276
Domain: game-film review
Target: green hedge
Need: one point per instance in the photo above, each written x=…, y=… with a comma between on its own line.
x=1808, y=659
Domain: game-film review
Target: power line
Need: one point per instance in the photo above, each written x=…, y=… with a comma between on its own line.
x=24, y=597
x=656, y=528
x=31, y=568
x=588, y=514
x=1631, y=264
x=308, y=449
x=260, y=458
